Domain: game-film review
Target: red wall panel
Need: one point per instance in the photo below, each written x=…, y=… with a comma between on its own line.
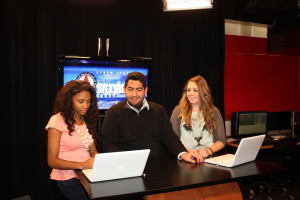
x=259, y=81
x=243, y=44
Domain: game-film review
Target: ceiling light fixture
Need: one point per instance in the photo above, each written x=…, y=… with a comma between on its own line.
x=174, y=5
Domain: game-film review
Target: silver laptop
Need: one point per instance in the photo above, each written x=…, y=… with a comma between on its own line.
x=117, y=165
x=246, y=152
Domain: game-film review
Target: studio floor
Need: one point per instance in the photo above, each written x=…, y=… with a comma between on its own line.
x=279, y=187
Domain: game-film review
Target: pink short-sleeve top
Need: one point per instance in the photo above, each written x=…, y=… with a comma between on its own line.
x=71, y=147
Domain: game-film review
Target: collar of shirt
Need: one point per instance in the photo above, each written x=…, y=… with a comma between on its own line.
x=145, y=105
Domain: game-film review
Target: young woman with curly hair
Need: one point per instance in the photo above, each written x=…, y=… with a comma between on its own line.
x=196, y=121
x=72, y=132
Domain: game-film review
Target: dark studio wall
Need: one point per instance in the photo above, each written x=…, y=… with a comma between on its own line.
x=181, y=45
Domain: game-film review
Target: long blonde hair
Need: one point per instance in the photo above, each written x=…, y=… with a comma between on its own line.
x=205, y=105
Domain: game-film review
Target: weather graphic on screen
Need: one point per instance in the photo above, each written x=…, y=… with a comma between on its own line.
x=108, y=81
x=86, y=76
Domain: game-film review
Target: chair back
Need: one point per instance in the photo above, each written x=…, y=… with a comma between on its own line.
x=286, y=148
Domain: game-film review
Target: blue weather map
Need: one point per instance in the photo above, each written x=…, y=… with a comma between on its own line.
x=109, y=81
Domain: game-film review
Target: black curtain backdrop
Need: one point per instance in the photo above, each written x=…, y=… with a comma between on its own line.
x=181, y=44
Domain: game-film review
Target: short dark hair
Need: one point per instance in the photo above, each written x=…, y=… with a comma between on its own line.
x=136, y=76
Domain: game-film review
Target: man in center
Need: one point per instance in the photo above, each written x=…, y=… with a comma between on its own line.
x=136, y=123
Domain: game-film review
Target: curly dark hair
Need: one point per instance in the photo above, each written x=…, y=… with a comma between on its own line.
x=63, y=104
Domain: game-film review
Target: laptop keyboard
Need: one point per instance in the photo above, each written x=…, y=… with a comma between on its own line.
x=88, y=173
x=224, y=159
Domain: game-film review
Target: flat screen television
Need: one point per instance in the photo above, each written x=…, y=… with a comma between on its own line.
x=106, y=74
x=250, y=123
x=280, y=123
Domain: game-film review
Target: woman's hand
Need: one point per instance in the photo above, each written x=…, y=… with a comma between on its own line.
x=89, y=163
x=204, y=152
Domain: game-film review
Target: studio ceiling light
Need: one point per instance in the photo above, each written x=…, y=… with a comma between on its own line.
x=174, y=5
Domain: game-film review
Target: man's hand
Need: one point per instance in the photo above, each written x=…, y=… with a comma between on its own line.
x=193, y=157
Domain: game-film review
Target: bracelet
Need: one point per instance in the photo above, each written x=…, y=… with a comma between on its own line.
x=211, y=151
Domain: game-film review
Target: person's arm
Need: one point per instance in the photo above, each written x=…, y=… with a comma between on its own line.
x=220, y=142
x=192, y=156
x=174, y=144
x=110, y=131
x=175, y=121
x=167, y=135
x=220, y=131
x=54, y=136
x=217, y=146
x=93, y=150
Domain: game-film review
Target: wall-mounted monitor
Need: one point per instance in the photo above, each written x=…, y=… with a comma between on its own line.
x=106, y=74
x=249, y=123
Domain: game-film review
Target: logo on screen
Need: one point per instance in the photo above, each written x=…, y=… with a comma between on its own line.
x=86, y=76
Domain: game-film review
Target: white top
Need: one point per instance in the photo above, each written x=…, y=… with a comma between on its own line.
x=198, y=137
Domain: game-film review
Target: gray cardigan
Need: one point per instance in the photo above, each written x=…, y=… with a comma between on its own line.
x=220, y=132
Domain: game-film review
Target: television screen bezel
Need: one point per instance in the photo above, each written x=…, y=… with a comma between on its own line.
x=146, y=61
x=238, y=135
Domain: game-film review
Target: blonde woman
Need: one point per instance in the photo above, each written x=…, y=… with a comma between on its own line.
x=196, y=121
